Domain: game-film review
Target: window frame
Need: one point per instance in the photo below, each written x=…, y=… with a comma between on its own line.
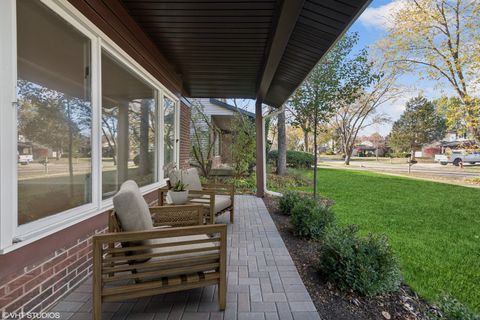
x=176, y=133
x=144, y=76
x=13, y=236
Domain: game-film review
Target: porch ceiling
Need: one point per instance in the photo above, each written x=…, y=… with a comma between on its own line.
x=251, y=48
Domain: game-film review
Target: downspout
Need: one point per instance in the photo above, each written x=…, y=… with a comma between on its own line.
x=269, y=115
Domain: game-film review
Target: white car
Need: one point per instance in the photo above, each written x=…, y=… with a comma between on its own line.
x=25, y=159
x=458, y=156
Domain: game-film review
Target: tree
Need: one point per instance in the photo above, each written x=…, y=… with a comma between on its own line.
x=418, y=125
x=282, y=145
x=353, y=117
x=440, y=39
x=203, y=138
x=294, y=138
x=142, y=132
x=451, y=109
x=55, y=120
x=243, y=144
x=298, y=107
x=109, y=130
x=378, y=141
x=337, y=80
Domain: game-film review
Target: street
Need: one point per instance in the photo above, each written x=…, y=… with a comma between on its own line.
x=433, y=171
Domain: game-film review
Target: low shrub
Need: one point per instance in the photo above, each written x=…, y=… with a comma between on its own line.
x=151, y=159
x=288, y=201
x=329, y=152
x=289, y=181
x=365, y=265
x=243, y=184
x=451, y=309
x=310, y=218
x=295, y=159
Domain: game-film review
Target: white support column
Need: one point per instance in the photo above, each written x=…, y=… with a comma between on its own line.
x=8, y=123
x=122, y=144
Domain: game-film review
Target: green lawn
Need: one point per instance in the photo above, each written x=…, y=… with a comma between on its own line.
x=434, y=228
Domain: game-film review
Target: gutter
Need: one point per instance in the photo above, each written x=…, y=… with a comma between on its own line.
x=264, y=117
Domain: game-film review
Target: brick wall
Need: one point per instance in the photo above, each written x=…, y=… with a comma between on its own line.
x=40, y=285
x=184, y=136
x=36, y=276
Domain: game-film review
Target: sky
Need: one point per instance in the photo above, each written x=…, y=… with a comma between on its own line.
x=371, y=26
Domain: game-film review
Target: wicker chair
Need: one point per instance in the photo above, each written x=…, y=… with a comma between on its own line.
x=176, y=253
x=216, y=198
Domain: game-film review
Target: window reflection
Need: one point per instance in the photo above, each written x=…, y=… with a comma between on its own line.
x=128, y=127
x=169, y=131
x=54, y=114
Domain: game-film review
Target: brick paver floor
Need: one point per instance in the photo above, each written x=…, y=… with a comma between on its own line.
x=263, y=282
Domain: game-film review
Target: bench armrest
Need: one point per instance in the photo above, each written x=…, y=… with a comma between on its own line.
x=218, y=188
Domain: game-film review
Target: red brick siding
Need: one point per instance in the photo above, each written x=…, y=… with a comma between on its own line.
x=35, y=282
x=184, y=136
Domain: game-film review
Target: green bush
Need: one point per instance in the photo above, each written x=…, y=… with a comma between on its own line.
x=451, y=309
x=310, y=218
x=366, y=265
x=295, y=159
x=329, y=152
x=151, y=159
x=243, y=184
x=288, y=201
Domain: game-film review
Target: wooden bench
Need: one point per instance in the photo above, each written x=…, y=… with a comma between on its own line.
x=216, y=198
x=164, y=259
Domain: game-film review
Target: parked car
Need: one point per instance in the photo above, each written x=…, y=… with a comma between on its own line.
x=24, y=152
x=458, y=156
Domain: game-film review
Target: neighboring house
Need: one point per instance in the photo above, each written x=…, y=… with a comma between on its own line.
x=452, y=140
x=452, y=136
x=220, y=114
x=369, y=148
x=364, y=150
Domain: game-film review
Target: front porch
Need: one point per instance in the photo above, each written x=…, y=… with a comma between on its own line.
x=263, y=282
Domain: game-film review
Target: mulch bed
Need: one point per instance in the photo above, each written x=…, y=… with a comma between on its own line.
x=331, y=302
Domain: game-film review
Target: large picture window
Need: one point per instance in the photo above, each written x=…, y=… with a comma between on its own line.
x=129, y=112
x=54, y=114
x=79, y=117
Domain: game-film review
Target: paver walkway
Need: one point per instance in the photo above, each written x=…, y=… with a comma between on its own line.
x=263, y=282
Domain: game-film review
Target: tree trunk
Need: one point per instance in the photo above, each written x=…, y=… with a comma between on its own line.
x=305, y=140
x=282, y=145
x=347, y=149
x=347, y=158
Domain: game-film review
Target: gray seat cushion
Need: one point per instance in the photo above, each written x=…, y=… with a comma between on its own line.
x=131, y=208
x=222, y=202
x=209, y=247
x=133, y=213
x=189, y=177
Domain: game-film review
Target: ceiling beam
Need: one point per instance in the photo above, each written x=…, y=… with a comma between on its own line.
x=287, y=19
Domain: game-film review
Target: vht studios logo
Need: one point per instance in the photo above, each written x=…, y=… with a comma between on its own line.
x=30, y=315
